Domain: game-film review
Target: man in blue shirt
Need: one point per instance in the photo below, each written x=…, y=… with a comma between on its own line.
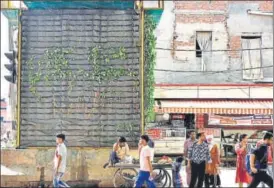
x=198, y=155
x=258, y=163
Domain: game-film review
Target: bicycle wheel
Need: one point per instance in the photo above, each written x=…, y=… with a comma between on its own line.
x=162, y=178
x=159, y=178
x=168, y=177
x=124, y=177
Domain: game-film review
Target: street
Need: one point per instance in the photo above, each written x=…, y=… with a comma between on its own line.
x=227, y=177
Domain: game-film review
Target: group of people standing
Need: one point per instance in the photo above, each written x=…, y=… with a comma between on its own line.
x=203, y=160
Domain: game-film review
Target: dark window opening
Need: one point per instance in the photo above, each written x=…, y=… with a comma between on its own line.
x=251, y=37
x=198, y=50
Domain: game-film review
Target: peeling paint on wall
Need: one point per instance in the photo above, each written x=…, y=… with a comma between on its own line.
x=227, y=21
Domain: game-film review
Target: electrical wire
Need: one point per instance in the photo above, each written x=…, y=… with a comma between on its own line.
x=222, y=71
x=215, y=89
x=224, y=50
x=248, y=95
x=217, y=72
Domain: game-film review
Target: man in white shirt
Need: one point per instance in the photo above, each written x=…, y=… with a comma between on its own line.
x=151, y=145
x=145, y=173
x=60, y=158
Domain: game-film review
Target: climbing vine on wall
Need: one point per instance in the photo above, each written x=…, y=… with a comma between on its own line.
x=99, y=64
x=150, y=61
x=53, y=70
x=52, y=67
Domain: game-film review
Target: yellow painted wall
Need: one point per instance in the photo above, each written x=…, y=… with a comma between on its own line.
x=83, y=164
x=4, y=4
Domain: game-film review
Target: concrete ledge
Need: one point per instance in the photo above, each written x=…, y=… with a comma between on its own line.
x=83, y=165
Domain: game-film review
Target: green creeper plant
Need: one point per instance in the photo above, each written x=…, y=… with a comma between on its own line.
x=34, y=76
x=150, y=61
x=101, y=72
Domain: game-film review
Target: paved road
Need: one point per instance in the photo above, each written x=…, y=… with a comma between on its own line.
x=227, y=178
x=8, y=172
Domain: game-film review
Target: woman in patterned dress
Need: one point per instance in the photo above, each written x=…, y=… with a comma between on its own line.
x=212, y=169
x=242, y=175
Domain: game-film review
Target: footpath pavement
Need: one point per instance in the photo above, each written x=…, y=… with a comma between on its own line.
x=227, y=178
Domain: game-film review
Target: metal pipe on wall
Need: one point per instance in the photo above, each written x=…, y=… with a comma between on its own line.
x=142, y=126
x=19, y=80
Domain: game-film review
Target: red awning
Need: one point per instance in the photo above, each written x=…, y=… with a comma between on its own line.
x=252, y=106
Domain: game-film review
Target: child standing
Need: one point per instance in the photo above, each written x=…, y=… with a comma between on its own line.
x=176, y=176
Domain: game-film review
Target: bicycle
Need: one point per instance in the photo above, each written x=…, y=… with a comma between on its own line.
x=126, y=176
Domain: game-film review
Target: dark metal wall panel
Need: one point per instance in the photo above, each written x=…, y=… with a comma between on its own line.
x=86, y=119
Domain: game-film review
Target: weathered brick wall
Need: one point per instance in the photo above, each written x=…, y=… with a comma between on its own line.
x=201, y=5
x=200, y=19
x=235, y=44
x=266, y=5
x=227, y=20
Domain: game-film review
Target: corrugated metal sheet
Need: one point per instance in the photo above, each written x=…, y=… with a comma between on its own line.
x=90, y=122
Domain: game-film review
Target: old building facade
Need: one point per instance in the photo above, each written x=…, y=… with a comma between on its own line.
x=214, y=65
x=221, y=29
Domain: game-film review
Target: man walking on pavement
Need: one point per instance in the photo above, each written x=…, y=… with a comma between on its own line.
x=258, y=163
x=60, y=159
x=188, y=143
x=198, y=155
x=145, y=173
x=269, y=157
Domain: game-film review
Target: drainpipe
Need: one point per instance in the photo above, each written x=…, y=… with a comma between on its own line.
x=142, y=13
x=19, y=80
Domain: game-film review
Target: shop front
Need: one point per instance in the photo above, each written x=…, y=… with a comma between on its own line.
x=225, y=119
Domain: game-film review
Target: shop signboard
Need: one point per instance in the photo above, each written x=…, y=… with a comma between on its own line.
x=154, y=133
x=177, y=116
x=211, y=131
x=250, y=120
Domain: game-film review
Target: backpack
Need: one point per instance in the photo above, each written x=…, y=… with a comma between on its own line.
x=247, y=163
x=257, y=163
